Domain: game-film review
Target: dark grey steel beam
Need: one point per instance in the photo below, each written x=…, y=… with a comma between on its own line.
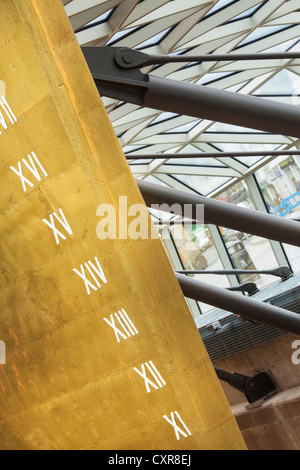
x=283, y=272
x=276, y=153
x=129, y=58
x=160, y=59
x=222, y=106
x=240, y=305
x=205, y=102
x=223, y=214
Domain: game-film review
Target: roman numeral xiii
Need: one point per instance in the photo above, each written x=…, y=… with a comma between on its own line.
x=127, y=330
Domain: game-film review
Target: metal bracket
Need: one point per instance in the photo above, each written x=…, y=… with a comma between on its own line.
x=110, y=77
x=129, y=58
x=256, y=388
x=117, y=74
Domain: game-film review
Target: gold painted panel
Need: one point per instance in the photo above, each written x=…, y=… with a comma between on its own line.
x=102, y=351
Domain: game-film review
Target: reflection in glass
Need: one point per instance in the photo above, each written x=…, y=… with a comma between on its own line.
x=279, y=182
x=293, y=254
x=246, y=251
x=249, y=252
x=197, y=251
x=239, y=195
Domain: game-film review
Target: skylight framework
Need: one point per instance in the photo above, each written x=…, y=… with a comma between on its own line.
x=213, y=27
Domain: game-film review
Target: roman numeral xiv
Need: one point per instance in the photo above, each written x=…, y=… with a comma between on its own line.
x=96, y=273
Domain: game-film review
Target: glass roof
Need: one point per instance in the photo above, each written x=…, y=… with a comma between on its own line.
x=150, y=138
x=196, y=27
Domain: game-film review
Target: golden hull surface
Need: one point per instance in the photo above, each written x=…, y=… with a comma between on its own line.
x=101, y=349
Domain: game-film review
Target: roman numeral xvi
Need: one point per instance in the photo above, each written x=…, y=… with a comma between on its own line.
x=34, y=166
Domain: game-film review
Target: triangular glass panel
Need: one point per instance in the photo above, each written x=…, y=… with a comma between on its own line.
x=283, y=83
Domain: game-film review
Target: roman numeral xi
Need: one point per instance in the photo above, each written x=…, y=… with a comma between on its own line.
x=181, y=429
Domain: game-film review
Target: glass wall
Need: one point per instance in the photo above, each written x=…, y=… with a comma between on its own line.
x=279, y=182
x=197, y=252
x=280, y=185
x=247, y=252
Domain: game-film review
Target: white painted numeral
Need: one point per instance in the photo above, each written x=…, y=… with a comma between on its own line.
x=96, y=272
x=160, y=383
x=33, y=161
x=177, y=429
x=128, y=328
x=2, y=353
x=63, y=221
x=6, y=109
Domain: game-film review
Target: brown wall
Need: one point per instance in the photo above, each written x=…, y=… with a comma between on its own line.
x=274, y=424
